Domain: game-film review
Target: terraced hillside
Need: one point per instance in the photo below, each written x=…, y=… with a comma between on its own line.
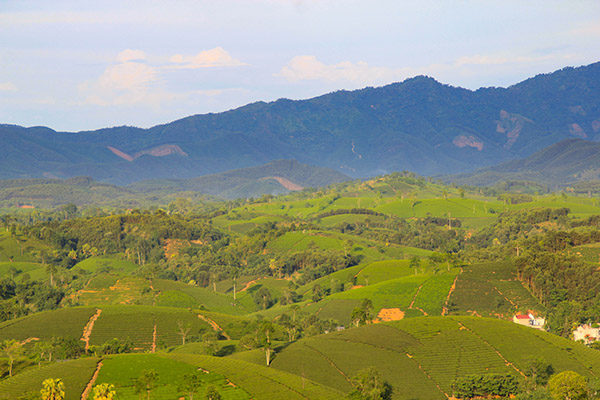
x=421, y=357
x=233, y=379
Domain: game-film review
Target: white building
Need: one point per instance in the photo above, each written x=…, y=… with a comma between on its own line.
x=586, y=333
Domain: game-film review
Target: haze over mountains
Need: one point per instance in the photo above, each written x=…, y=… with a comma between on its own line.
x=564, y=163
x=419, y=125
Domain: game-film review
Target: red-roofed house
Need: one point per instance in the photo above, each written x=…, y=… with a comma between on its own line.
x=529, y=320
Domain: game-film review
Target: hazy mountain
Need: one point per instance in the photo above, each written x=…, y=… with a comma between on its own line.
x=274, y=178
x=567, y=162
x=419, y=125
x=277, y=177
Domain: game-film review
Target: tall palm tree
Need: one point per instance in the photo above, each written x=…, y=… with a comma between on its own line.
x=105, y=391
x=53, y=389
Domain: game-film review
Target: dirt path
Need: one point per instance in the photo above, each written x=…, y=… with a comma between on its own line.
x=214, y=325
x=87, y=330
x=90, y=385
x=154, y=340
x=445, y=307
x=412, y=303
x=248, y=284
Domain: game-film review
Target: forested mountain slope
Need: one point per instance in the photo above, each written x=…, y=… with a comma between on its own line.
x=419, y=125
x=567, y=162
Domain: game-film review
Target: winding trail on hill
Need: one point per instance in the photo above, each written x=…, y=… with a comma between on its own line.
x=248, y=284
x=87, y=330
x=452, y=288
x=214, y=325
x=412, y=303
x=90, y=385
x=508, y=363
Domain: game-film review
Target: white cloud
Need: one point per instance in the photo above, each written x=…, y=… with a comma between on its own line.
x=133, y=81
x=217, y=57
x=130, y=81
x=309, y=68
x=7, y=87
x=131, y=55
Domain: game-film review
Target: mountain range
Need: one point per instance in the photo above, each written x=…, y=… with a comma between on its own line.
x=564, y=163
x=419, y=125
x=277, y=177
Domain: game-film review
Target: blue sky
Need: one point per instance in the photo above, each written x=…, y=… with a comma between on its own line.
x=79, y=65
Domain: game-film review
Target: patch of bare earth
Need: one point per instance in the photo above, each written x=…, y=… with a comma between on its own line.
x=87, y=330
x=286, y=183
x=389, y=314
x=173, y=246
x=29, y=340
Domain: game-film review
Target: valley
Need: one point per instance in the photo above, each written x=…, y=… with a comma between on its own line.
x=295, y=295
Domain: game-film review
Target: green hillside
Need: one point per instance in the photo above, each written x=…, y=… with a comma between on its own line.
x=415, y=278
x=422, y=356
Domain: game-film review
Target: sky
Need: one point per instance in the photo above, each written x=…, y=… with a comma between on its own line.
x=84, y=65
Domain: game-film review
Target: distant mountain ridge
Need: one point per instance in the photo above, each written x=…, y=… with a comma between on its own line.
x=278, y=177
x=564, y=163
x=419, y=125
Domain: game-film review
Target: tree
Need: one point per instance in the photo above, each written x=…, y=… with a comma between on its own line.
x=104, y=391
x=191, y=383
x=267, y=329
x=53, y=389
x=369, y=385
x=364, y=314
x=415, y=263
x=12, y=348
x=145, y=382
x=183, y=331
x=540, y=371
x=51, y=270
x=42, y=351
x=290, y=326
x=568, y=385
x=212, y=393
x=210, y=343
x=263, y=298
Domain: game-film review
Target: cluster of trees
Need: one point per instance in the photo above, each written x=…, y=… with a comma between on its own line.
x=21, y=298
x=542, y=384
x=191, y=384
x=489, y=385
x=432, y=233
